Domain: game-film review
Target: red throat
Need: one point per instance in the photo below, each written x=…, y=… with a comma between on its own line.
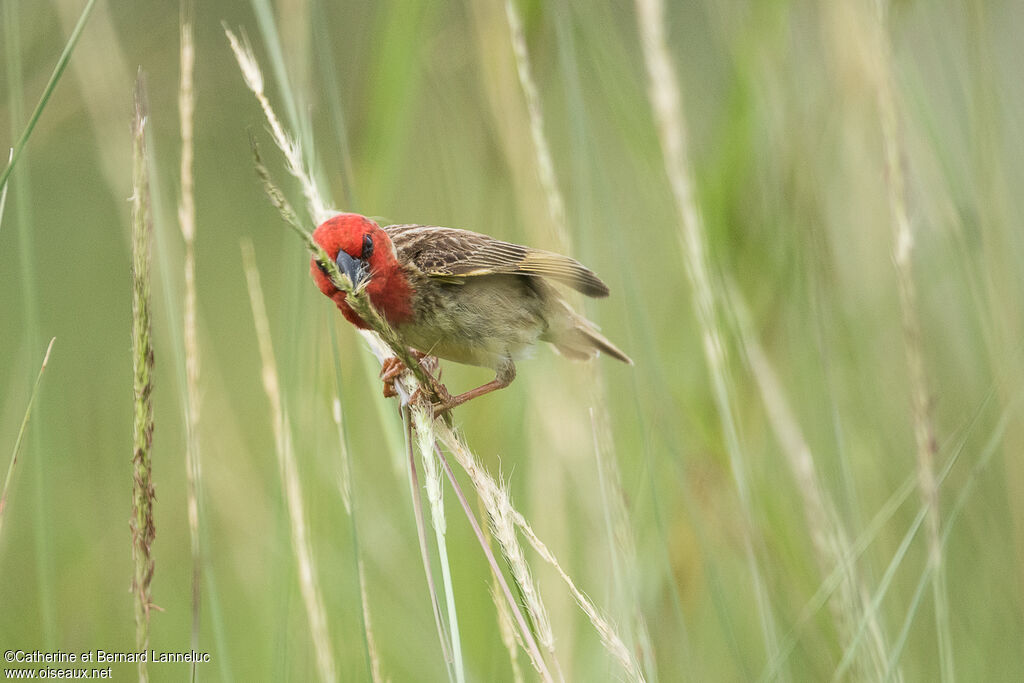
x=391, y=295
x=388, y=288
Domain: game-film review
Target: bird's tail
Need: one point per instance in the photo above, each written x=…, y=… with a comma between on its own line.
x=580, y=340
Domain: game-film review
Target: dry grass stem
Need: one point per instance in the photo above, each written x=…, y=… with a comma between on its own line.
x=924, y=429
x=525, y=633
x=545, y=165
x=308, y=584
x=383, y=342
x=609, y=635
x=831, y=543
x=187, y=222
x=143, y=492
x=667, y=106
x=421, y=537
x=496, y=500
x=500, y=511
x=383, y=336
x=423, y=427
x=291, y=148
x=21, y=435
x=624, y=559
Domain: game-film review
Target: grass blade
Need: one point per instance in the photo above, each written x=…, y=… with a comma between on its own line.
x=423, y=428
x=529, y=642
x=37, y=439
x=316, y=612
x=421, y=536
x=21, y=436
x=3, y=192
x=988, y=453
x=667, y=106
x=623, y=556
x=348, y=499
x=58, y=70
x=828, y=535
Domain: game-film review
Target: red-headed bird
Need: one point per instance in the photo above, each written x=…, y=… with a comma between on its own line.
x=462, y=296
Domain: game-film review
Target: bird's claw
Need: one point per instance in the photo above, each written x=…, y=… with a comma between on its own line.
x=442, y=405
x=393, y=367
x=390, y=369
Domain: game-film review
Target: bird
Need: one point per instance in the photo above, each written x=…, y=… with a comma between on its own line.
x=461, y=295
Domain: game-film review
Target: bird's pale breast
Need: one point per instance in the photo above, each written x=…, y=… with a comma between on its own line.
x=483, y=321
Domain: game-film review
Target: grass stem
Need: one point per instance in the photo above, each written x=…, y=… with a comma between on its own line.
x=667, y=106
x=187, y=221
x=423, y=428
x=421, y=536
x=58, y=71
x=144, y=493
x=622, y=545
x=923, y=425
x=525, y=632
x=316, y=612
x=21, y=435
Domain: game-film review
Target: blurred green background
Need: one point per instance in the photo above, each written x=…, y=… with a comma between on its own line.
x=414, y=113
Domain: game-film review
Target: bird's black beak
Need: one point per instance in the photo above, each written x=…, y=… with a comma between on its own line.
x=356, y=269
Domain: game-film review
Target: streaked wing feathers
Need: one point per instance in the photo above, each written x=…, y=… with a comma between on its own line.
x=450, y=252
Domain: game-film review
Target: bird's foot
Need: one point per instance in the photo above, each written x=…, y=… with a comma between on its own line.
x=393, y=367
x=438, y=397
x=390, y=369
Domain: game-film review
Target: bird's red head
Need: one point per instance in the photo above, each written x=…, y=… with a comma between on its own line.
x=364, y=252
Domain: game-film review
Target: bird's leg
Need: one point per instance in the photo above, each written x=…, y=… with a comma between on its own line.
x=506, y=373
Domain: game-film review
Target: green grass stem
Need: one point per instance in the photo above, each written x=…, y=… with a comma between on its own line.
x=143, y=491
x=312, y=596
x=58, y=71
x=21, y=435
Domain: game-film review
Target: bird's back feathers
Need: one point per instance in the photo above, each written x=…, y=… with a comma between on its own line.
x=451, y=254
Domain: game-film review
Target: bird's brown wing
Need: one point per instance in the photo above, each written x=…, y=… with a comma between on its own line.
x=452, y=254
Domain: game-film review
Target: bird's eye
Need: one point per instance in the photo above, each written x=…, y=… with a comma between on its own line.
x=367, y=247
x=323, y=268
